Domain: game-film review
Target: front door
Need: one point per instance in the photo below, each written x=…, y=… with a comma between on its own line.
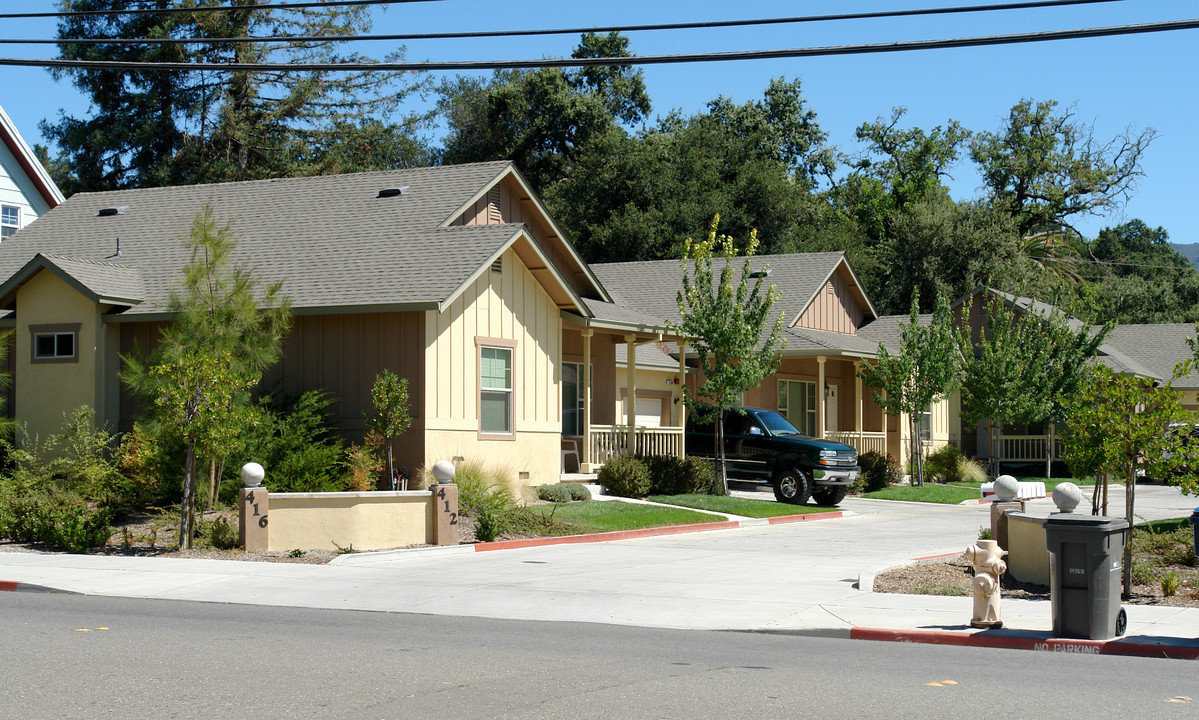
x=830, y=409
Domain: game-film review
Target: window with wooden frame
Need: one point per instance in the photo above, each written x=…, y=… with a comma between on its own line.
x=495, y=389
x=54, y=343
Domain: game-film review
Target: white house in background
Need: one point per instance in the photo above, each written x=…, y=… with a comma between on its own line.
x=26, y=190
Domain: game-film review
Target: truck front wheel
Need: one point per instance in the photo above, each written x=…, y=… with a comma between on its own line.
x=830, y=495
x=793, y=486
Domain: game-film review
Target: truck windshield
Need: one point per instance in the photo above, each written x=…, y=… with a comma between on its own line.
x=777, y=424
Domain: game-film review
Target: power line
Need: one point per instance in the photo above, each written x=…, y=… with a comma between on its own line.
x=474, y=65
x=202, y=8
x=1106, y=263
x=561, y=31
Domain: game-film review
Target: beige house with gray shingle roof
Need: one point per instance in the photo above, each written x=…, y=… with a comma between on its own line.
x=453, y=277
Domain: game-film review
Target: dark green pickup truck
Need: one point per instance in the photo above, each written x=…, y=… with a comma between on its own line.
x=762, y=446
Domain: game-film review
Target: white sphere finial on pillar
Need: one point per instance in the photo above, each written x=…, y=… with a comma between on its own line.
x=1006, y=488
x=443, y=472
x=252, y=474
x=1067, y=496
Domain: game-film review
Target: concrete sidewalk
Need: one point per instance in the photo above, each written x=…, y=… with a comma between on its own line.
x=799, y=578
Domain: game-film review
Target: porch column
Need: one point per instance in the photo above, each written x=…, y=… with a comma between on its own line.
x=585, y=453
x=857, y=393
x=682, y=399
x=821, y=421
x=631, y=398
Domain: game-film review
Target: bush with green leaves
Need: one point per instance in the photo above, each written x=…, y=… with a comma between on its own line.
x=578, y=491
x=151, y=460
x=878, y=471
x=553, y=493
x=625, y=476
x=59, y=520
x=295, y=444
x=672, y=475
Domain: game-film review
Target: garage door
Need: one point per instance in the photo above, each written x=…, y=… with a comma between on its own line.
x=649, y=411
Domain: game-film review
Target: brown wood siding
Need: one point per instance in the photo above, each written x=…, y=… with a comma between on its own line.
x=835, y=307
x=506, y=203
x=137, y=339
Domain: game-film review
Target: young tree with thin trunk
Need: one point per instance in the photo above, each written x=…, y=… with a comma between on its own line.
x=726, y=320
x=1119, y=424
x=389, y=416
x=1021, y=366
x=220, y=312
x=923, y=372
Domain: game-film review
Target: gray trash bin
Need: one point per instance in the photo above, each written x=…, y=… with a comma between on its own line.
x=1086, y=565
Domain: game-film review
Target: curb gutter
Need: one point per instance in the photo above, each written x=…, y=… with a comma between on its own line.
x=1016, y=640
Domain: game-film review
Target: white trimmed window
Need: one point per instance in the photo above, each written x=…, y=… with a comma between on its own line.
x=495, y=390
x=926, y=424
x=10, y=221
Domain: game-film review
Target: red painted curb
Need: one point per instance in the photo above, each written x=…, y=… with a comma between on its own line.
x=8, y=586
x=604, y=537
x=937, y=557
x=1042, y=643
x=803, y=518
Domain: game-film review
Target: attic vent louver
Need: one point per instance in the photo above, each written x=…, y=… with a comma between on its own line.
x=393, y=191
x=760, y=273
x=108, y=211
x=498, y=267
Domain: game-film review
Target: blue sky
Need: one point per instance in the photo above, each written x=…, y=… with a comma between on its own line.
x=1143, y=80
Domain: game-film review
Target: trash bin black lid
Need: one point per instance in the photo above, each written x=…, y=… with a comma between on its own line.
x=1096, y=521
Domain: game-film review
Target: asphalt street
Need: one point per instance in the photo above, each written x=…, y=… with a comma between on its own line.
x=75, y=656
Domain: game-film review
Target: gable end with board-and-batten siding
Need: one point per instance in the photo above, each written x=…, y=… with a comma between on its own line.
x=836, y=307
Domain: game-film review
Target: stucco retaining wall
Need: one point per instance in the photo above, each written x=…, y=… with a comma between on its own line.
x=1028, y=558
x=364, y=520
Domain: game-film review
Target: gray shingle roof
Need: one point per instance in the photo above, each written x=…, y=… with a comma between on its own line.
x=1151, y=350
x=647, y=356
x=652, y=287
x=887, y=330
x=104, y=279
x=330, y=239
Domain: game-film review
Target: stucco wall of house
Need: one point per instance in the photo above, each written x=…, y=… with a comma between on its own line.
x=45, y=391
x=652, y=382
x=504, y=309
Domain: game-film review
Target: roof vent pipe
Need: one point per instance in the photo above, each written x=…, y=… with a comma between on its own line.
x=110, y=211
x=393, y=191
x=117, y=254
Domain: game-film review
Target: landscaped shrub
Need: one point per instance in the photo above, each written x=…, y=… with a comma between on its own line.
x=878, y=471
x=363, y=466
x=970, y=471
x=942, y=464
x=296, y=446
x=670, y=475
x=485, y=498
x=60, y=521
x=625, y=476
x=578, y=491
x=152, y=459
x=553, y=493
x=220, y=534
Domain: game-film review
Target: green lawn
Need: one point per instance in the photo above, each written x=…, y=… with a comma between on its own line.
x=607, y=516
x=738, y=506
x=930, y=493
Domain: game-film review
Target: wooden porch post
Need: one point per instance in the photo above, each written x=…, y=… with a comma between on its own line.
x=682, y=400
x=820, y=419
x=631, y=398
x=585, y=453
x=857, y=411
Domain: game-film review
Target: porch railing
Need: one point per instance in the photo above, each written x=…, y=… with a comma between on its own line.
x=862, y=442
x=1027, y=447
x=609, y=441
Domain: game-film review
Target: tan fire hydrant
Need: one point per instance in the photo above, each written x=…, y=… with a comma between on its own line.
x=988, y=567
